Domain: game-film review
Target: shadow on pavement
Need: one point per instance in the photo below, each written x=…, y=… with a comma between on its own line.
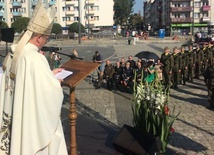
x=180, y=141
x=93, y=137
x=198, y=101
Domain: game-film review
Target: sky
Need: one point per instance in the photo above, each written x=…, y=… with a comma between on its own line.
x=138, y=6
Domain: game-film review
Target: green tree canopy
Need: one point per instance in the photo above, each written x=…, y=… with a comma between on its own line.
x=122, y=11
x=3, y=25
x=74, y=27
x=20, y=24
x=57, y=28
x=136, y=22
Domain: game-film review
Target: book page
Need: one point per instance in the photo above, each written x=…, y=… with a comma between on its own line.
x=63, y=74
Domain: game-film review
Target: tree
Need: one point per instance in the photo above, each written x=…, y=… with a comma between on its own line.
x=3, y=25
x=136, y=22
x=57, y=28
x=20, y=24
x=122, y=11
x=74, y=27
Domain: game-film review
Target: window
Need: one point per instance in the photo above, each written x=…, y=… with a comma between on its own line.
x=197, y=4
x=196, y=15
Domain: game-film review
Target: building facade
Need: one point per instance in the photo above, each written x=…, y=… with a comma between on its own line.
x=94, y=14
x=181, y=16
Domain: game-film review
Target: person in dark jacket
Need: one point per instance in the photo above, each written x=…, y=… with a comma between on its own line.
x=209, y=81
x=108, y=74
x=118, y=70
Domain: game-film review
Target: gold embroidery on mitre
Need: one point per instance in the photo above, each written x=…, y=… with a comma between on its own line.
x=42, y=20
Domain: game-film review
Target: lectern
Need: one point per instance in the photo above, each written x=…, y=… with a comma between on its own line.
x=80, y=69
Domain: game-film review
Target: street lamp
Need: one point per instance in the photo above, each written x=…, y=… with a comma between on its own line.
x=79, y=24
x=88, y=21
x=193, y=12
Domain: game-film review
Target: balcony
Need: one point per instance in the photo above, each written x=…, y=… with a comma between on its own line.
x=70, y=12
x=90, y=2
x=181, y=9
x=1, y=14
x=181, y=20
x=92, y=22
x=90, y=12
x=34, y=3
x=17, y=4
x=69, y=3
x=180, y=0
x=17, y=14
x=69, y=22
x=206, y=8
x=52, y=3
x=1, y=4
x=205, y=19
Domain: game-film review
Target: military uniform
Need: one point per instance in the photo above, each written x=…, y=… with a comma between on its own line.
x=184, y=66
x=167, y=61
x=176, y=69
x=199, y=62
x=209, y=80
x=191, y=64
x=205, y=60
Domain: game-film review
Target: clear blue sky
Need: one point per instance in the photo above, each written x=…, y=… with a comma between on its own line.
x=138, y=6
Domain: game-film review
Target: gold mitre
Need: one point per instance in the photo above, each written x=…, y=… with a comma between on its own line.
x=41, y=22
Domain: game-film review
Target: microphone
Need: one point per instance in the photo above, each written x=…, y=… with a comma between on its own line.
x=50, y=48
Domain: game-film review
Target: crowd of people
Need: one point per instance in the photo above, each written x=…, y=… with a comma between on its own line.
x=172, y=69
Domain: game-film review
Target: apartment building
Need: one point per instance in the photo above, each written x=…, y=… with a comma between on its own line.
x=181, y=16
x=94, y=14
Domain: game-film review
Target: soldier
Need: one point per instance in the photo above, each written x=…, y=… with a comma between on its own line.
x=191, y=63
x=167, y=62
x=176, y=68
x=199, y=61
x=108, y=74
x=184, y=65
x=205, y=60
x=209, y=80
x=209, y=52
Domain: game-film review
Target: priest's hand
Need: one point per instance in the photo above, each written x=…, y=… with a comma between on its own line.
x=57, y=70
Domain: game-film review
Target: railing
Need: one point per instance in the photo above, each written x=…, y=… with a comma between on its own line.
x=180, y=0
x=17, y=13
x=69, y=22
x=1, y=14
x=176, y=20
x=181, y=9
x=69, y=2
x=70, y=12
x=205, y=19
x=206, y=8
x=17, y=4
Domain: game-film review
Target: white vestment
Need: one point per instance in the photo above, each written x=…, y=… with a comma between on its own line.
x=31, y=108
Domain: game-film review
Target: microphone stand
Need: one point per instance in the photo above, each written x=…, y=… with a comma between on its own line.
x=68, y=55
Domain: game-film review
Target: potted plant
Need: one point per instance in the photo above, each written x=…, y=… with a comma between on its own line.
x=151, y=113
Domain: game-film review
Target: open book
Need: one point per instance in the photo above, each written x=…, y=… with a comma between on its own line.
x=63, y=74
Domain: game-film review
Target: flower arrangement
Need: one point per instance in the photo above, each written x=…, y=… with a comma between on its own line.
x=151, y=113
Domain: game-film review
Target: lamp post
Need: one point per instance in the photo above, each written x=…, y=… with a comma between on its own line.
x=79, y=23
x=88, y=21
x=193, y=12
